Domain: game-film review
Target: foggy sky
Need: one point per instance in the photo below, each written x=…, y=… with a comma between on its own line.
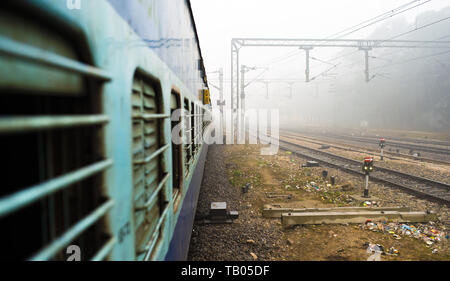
x=408, y=95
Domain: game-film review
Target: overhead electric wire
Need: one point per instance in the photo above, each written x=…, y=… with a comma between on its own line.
x=413, y=30
x=383, y=19
x=399, y=50
x=400, y=62
x=410, y=60
x=401, y=9
x=392, y=13
x=374, y=18
x=282, y=58
x=402, y=6
x=385, y=15
x=402, y=34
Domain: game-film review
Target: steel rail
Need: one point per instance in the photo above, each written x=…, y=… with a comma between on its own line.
x=434, y=190
x=354, y=148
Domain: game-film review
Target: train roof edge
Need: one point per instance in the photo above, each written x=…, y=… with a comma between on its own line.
x=205, y=78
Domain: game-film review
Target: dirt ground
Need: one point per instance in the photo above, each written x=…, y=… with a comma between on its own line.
x=252, y=237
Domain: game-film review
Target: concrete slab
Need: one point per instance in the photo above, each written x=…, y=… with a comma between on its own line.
x=291, y=219
x=271, y=211
x=311, y=164
x=275, y=195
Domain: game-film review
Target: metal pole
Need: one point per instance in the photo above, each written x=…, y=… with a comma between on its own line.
x=366, y=186
x=382, y=149
x=232, y=89
x=307, y=65
x=307, y=49
x=234, y=85
x=241, y=98
x=221, y=97
x=243, y=70
x=237, y=90
x=367, y=64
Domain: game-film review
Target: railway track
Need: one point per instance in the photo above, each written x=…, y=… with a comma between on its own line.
x=409, y=146
x=387, y=154
x=420, y=141
x=418, y=186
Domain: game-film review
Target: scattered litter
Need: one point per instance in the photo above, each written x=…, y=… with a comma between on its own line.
x=369, y=203
x=251, y=241
x=376, y=250
x=393, y=251
x=397, y=237
x=425, y=232
x=255, y=257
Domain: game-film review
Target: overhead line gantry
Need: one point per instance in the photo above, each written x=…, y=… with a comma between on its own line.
x=309, y=44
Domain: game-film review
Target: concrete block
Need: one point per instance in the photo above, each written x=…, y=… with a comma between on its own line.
x=270, y=211
x=291, y=219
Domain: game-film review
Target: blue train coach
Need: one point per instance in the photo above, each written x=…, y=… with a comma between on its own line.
x=88, y=165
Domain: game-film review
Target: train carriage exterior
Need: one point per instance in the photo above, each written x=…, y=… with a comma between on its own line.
x=86, y=97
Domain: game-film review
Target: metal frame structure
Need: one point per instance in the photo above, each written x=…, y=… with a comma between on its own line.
x=309, y=44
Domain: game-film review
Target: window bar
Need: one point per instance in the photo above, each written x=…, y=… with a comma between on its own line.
x=155, y=193
x=66, y=205
x=10, y=125
x=149, y=116
x=149, y=158
x=105, y=250
x=149, y=247
x=73, y=232
x=22, y=51
x=11, y=203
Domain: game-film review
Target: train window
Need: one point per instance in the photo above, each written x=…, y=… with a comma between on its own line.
x=51, y=131
x=203, y=119
x=177, y=153
x=196, y=128
x=193, y=130
x=149, y=175
x=187, y=145
x=198, y=122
